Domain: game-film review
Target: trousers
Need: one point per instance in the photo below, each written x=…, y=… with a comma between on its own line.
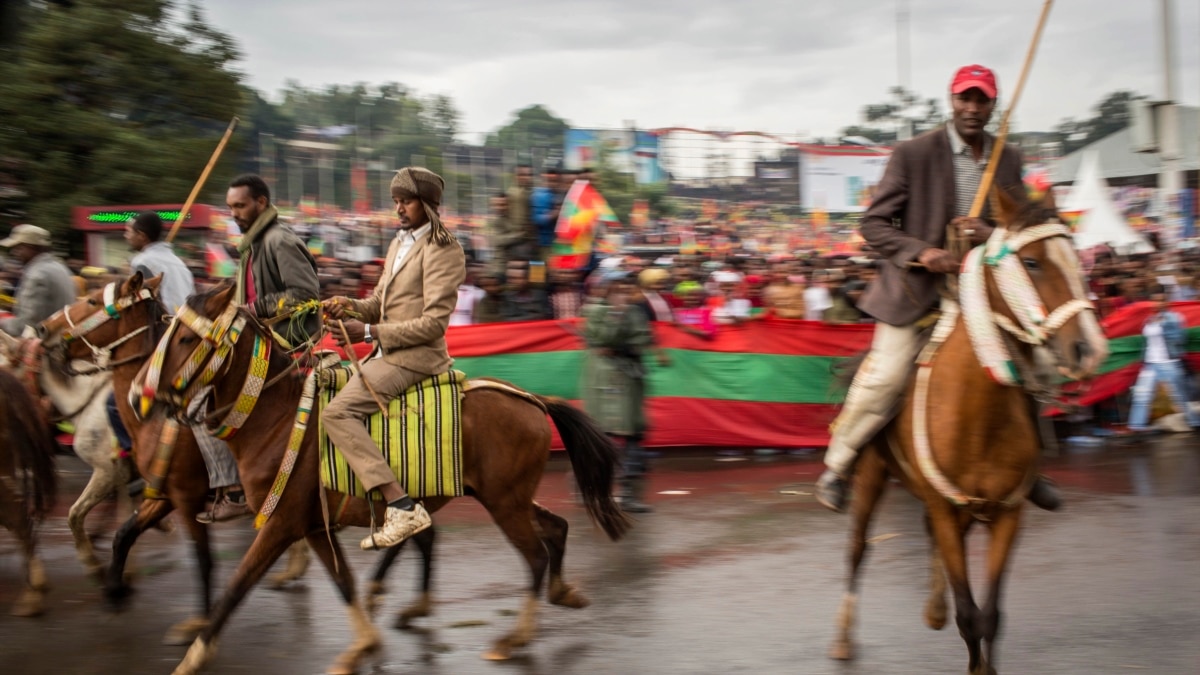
x=874, y=394
x=1169, y=373
x=344, y=418
x=218, y=458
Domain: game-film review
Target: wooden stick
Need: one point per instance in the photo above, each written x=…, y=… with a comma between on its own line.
x=212, y=161
x=985, y=183
x=357, y=368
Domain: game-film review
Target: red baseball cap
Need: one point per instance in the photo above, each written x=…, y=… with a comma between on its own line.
x=974, y=76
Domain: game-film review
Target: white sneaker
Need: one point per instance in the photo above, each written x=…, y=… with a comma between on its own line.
x=398, y=525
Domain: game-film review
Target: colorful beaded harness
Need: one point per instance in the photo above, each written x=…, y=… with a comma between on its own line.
x=113, y=306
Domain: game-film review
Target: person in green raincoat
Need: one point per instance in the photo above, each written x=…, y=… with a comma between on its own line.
x=617, y=334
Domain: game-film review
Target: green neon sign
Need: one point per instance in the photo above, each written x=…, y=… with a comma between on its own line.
x=122, y=217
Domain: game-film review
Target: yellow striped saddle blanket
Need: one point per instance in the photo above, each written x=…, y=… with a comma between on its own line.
x=421, y=437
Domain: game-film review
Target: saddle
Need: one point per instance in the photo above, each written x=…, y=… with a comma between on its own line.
x=420, y=437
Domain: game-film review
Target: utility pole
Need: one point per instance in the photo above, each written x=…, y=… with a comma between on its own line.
x=1170, y=177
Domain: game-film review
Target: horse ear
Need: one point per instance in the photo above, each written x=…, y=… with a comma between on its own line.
x=1048, y=200
x=134, y=283
x=1004, y=207
x=153, y=282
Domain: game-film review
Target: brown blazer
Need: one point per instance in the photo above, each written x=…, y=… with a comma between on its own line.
x=913, y=204
x=411, y=308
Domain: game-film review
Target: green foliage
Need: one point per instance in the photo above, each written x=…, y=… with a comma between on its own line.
x=882, y=121
x=1111, y=115
x=533, y=128
x=112, y=101
x=620, y=190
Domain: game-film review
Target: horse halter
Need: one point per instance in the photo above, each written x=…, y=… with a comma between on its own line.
x=1035, y=326
x=217, y=340
x=113, y=306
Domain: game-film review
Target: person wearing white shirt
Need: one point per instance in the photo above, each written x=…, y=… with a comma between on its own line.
x=816, y=298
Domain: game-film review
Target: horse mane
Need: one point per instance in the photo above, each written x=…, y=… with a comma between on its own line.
x=1031, y=214
x=200, y=299
x=26, y=433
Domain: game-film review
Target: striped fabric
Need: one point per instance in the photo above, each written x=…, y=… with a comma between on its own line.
x=967, y=171
x=421, y=439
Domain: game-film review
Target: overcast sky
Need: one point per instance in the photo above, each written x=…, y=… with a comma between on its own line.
x=782, y=66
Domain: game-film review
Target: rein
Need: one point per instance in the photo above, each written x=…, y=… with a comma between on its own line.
x=1005, y=365
x=102, y=356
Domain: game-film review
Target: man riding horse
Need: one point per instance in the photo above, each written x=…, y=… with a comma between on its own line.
x=929, y=181
x=405, y=321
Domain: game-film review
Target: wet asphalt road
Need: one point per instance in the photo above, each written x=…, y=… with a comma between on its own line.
x=739, y=569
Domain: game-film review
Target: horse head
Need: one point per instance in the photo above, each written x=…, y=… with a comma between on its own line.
x=195, y=352
x=1036, y=287
x=101, y=322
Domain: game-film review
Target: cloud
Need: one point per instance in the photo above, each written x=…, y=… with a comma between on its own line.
x=781, y=66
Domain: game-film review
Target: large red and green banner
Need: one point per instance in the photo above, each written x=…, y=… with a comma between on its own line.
x=766, y=383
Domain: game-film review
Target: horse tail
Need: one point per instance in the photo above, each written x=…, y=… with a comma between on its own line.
x=28, y=437
x=594, y=460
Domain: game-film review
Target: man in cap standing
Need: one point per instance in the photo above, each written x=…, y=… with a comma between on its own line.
x=929, y=184
x=45, y=286
x=405, y=320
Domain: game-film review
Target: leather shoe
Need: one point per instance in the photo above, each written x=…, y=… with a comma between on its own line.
x=1044, y=494
x=224, y=509
x=833, y=491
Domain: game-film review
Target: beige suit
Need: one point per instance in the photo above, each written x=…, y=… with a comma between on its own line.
x=409, y=312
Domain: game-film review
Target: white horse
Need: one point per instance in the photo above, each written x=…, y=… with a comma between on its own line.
x=84, y=398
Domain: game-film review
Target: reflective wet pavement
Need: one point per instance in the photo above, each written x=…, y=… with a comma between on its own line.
x=738, y=569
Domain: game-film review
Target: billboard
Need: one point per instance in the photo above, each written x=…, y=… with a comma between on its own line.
x=838, y=179
x=625, y=150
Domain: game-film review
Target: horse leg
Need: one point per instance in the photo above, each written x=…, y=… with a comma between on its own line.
x=517, y=523
x=366, y=637
x=297, y=565
x=1004, y=535
x=424, y=604
x=187, y=630
x=870, y=480
x=377, y=586
x=152, y=511
x=99, y=486
x=935, y=606
x=271, y=542
x=32, y=600
x=554, y=535
x=949, y=529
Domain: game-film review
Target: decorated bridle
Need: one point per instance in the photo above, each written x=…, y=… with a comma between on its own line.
x=113, y=306
x=218, y=337
x=1034, y=326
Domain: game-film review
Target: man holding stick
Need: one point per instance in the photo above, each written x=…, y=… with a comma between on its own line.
x=929, y=182
x=274, y=266
x=405, y=320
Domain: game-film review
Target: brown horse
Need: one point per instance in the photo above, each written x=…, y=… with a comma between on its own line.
x=112, y=344
x=506, y=443
x=27, y=482
x=966, y=443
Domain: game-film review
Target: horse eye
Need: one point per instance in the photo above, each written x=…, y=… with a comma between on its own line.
x=1031, y=264
x=92, y=302
x=187, y=340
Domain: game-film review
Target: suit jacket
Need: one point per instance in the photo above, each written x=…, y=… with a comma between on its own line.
x=914, y=202
x=412, y=308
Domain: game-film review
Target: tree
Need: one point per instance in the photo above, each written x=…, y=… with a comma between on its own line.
x=882, y=122
x=111, y=101
x=533, y=127
x=1112, y=114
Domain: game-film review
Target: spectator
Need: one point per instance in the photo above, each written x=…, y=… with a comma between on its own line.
x=546, y=202
x=523, y=302
x=468, y=296
x=490, y=306
x=844, y=308
x=566, y=298
x=1166, y=342
x=694, y=317
x=817, y=298
x=784, y=296
x=654, y=283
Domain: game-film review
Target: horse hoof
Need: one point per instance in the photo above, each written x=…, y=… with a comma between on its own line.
x=29, y=605
x=841, y=650
x=567, y=596
x=935, y=617
x=197, y=655
x=404, y=619
x=184, y=632
x=502, y=651
x=345, y=665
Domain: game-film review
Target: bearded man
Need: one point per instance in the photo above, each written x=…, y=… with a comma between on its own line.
x=405, y=320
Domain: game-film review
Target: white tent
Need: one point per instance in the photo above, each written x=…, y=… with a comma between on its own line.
x=1100, y=222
